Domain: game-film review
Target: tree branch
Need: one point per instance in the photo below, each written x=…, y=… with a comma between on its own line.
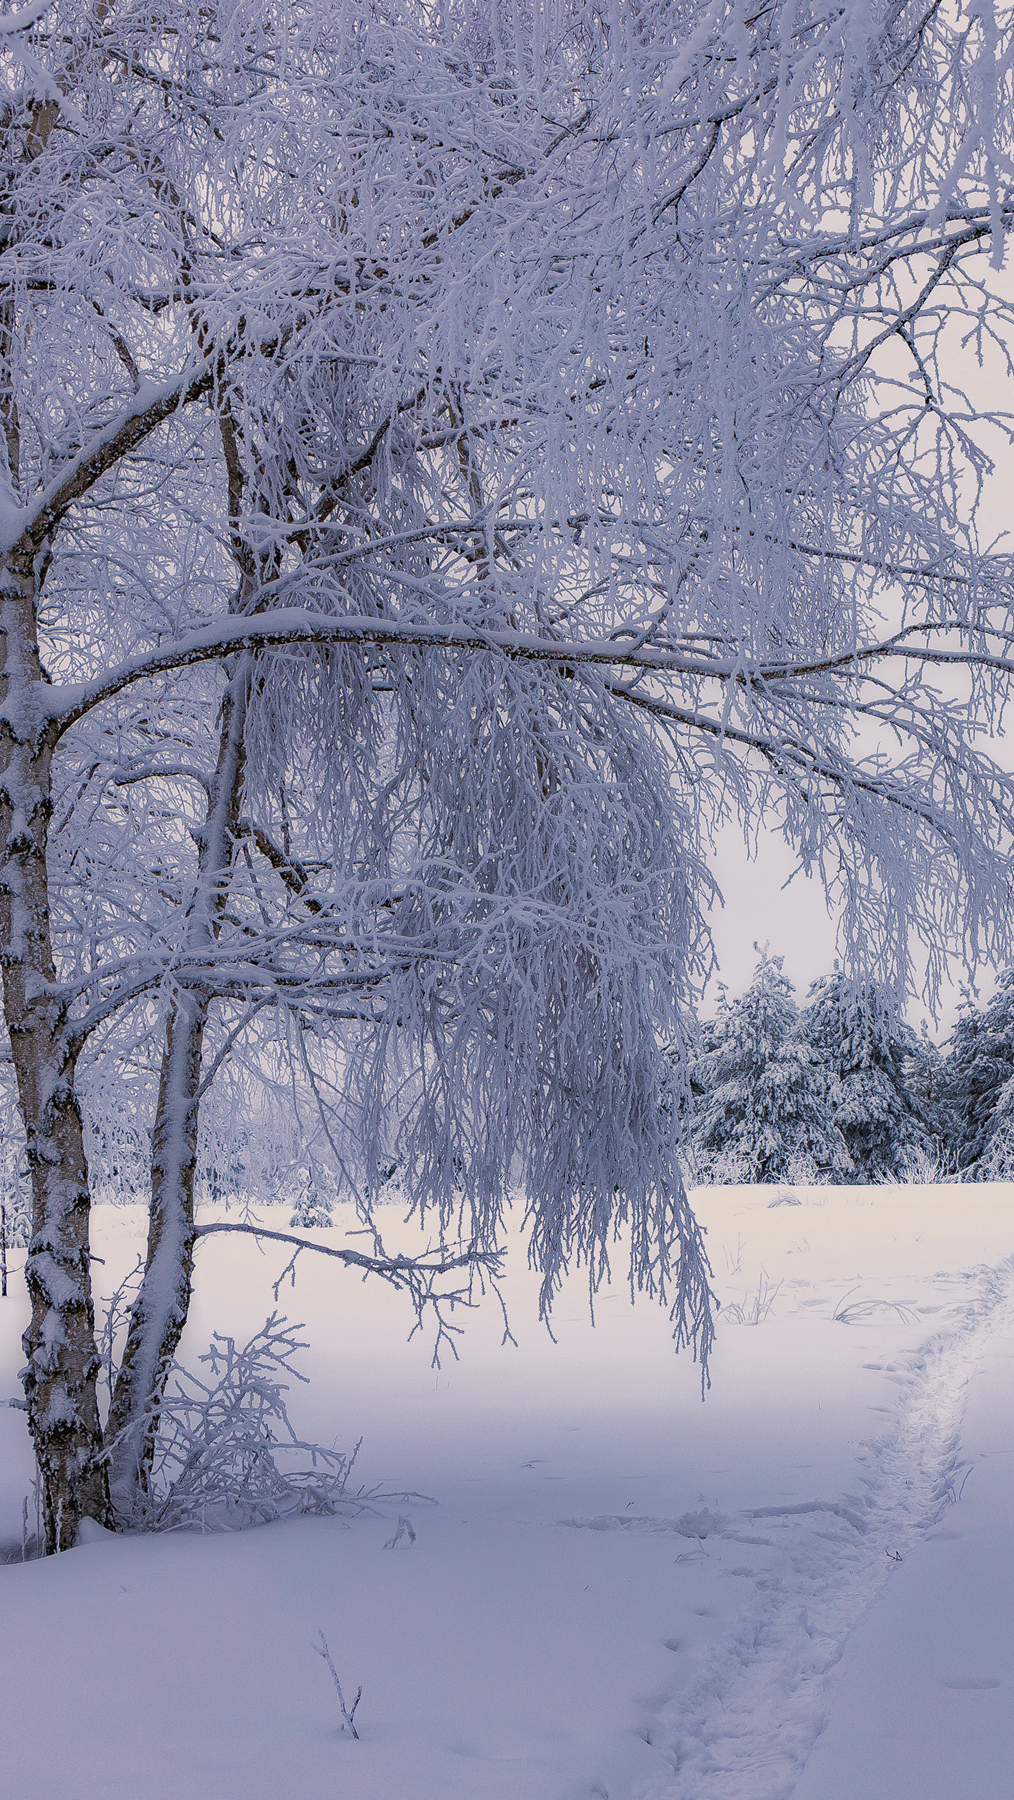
x=152, y=405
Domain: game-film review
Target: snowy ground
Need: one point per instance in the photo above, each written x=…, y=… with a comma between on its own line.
x=620, y=1591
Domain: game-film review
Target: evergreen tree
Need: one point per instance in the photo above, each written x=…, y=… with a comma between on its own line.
x=928, y=1085
x=762, y=1112
x=978, y=1087
x=865, y=1051
x=311, y=1206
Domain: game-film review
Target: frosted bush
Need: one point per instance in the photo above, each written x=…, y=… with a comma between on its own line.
x=226, y=1453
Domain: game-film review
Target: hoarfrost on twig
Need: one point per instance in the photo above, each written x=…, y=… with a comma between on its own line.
x=348, y=1715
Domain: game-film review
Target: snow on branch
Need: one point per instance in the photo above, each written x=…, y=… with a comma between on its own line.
x=26, y=18
x=152, y=404
x=66, y=703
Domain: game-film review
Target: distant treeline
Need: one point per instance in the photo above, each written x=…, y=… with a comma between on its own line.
x=840, y=1090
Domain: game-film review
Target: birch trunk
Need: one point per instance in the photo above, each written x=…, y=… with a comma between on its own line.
x=160, y=1311
x=62, y=1360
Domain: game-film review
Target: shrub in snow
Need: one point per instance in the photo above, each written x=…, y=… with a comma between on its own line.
x=761, y=1112
x=864, y=1050
x=226, y=1453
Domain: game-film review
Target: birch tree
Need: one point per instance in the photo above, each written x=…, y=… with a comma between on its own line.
x=451, y=461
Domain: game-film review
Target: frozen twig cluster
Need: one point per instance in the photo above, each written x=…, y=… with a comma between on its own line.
x=753, y=1309
x=855, y=1312
x=226, y=1453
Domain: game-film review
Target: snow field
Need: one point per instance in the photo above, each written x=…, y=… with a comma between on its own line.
x=619, y=1591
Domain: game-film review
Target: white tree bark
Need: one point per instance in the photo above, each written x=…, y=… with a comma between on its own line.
x=163, y=1302
x=62, y=1365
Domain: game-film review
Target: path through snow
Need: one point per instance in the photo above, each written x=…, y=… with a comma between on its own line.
x=748, y=1725
x=923, y=1706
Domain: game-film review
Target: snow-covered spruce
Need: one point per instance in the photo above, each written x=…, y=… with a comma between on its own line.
x=762, y=1110
x=865, y=1052
x=976, y=1087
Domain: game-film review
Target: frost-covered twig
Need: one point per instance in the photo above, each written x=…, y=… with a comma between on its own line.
x=116, y=1313
x=347, y=1715
x=405, y=1530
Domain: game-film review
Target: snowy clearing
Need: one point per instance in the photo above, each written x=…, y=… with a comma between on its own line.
x=612, y=1589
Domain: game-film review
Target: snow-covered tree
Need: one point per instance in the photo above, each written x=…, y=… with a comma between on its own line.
x=310, y=1205
x=927, y=1085
x=865, y=1051
x=451, y=458
x=762, y=1110
x=238, y=361
x=978, y=1086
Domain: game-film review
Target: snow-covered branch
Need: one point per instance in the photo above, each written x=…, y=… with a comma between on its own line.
x=65, y=703
x=152, y=404
x=25, y=18
x=418, y=1276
